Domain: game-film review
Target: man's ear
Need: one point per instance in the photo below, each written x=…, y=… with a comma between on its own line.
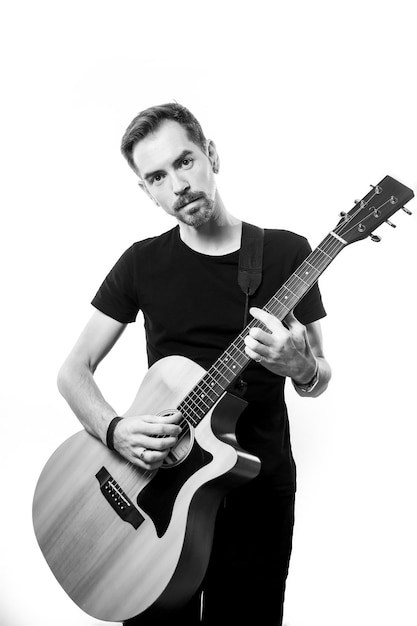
x=213, y=156
x=144, y=188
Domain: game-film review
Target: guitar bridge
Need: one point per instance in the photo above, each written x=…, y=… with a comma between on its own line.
x=118, y=500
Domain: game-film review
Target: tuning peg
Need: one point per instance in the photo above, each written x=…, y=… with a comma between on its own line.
x=375, y=238
x=406, y=210
x=391, y=224
x=377, y=188
x=356, y=201
x=342, y=214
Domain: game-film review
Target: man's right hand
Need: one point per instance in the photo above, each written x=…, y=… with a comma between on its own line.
x=145, y=440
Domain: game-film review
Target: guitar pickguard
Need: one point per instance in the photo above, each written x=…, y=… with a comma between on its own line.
x=157, y=499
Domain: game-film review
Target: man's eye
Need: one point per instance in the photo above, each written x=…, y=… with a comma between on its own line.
x=157, y=179
x=186, y=163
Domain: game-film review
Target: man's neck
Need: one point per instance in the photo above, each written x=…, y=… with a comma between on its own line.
x=220, y=235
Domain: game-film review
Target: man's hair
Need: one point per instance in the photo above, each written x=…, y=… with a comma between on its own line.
x=149, y=120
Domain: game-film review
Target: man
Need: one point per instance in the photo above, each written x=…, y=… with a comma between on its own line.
x=185, y=283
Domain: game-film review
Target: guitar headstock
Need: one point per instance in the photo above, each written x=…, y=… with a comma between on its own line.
x=384, y=199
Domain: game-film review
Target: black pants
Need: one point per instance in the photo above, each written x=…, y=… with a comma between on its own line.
x=245, y=579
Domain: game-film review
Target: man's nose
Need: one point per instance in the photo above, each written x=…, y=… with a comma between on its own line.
x=179, y=184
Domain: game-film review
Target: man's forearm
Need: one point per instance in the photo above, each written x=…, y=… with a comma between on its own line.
x=77, y=385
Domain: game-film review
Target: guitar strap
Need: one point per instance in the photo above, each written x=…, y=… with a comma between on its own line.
x=250, y=262
x=249, y=275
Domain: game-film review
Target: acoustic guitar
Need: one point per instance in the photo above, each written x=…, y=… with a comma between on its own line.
x=123, y=541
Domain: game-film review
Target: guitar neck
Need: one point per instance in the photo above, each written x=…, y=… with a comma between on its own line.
x=234, y=360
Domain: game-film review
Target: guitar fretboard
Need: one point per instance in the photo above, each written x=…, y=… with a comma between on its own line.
x=233, y=361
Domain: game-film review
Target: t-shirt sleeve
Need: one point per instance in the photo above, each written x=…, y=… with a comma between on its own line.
x=310, y=308
x=117, y=295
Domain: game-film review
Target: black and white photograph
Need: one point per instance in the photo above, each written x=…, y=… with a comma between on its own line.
x=209, y=353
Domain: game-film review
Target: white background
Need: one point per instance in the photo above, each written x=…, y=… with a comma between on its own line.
x=308, y=103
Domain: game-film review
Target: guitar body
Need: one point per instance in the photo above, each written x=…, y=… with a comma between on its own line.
x=123, y=541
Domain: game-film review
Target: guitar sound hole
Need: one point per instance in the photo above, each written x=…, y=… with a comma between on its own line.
x=182, y=449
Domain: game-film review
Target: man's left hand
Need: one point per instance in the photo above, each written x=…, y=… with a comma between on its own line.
x=284, y=350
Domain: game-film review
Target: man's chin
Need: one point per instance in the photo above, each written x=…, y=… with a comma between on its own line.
x=196, y=216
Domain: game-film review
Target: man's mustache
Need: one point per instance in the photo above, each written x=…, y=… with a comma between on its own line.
x=187, y=197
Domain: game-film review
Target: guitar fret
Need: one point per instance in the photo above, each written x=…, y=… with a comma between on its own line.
x=280, y=303
x=313, y=267
x=212, y=385
x=241, y=357
x=201, y=398
x=223, y=375
x=192, y=414
x=205, y=390
x=194, y=404
x=290, y=290
x=205, y=393
x=288, y=296
x=276, y=298
x=302, y=279
x=189, y=414
x=328, y=255
x=225, y=361
x=208, y=396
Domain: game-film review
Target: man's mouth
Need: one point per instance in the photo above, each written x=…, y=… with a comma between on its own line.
x=188, y=205
x=187, y=201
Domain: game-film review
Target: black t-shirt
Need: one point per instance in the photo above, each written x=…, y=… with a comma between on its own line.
x=193, y=307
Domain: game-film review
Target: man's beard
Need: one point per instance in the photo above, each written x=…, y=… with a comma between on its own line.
x=198, y=216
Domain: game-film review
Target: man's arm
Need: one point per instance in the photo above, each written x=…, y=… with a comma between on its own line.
x=76, y=383
x=76, y=376
x=290, y=349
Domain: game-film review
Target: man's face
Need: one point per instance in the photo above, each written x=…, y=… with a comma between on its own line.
x=177, y=174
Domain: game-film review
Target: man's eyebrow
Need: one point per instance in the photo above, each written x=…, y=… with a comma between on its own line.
x=150, y=175
x=184, y=154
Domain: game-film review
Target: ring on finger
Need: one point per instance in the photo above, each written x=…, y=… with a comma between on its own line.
x=259, y=359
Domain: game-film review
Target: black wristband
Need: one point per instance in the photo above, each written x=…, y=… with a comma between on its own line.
x=110, y=432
